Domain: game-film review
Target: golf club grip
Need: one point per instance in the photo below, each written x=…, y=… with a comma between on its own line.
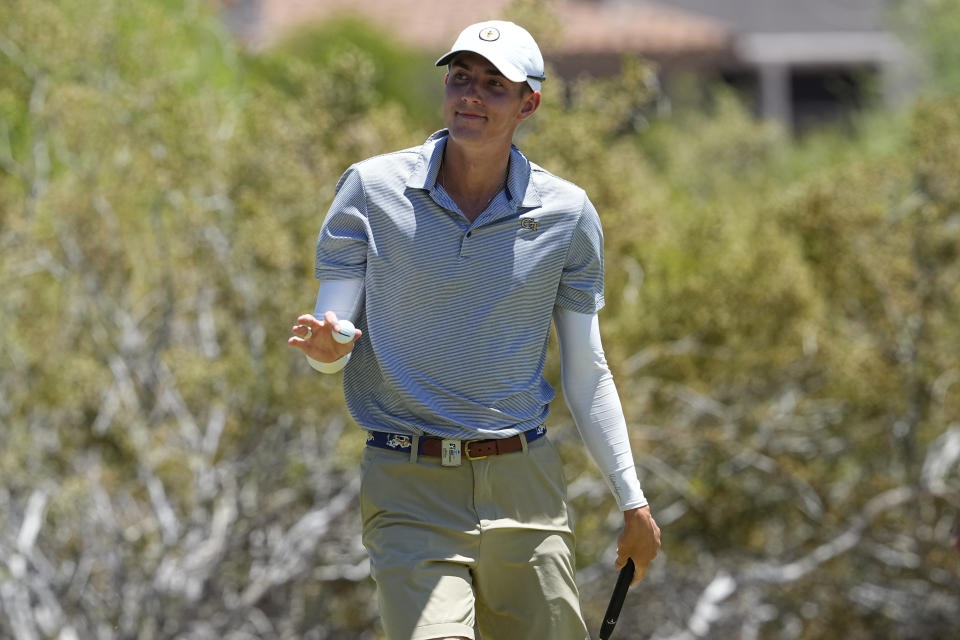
x=616, y=600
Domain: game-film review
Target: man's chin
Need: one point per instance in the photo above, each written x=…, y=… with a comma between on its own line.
x=466, y=131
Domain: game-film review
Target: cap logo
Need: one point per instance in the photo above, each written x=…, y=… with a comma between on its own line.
x=490, y=34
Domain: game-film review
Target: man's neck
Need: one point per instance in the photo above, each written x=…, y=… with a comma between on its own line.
x=474, y=176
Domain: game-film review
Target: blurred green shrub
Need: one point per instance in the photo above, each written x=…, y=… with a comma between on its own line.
x=781, y=322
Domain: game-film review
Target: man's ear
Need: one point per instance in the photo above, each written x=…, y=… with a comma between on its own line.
x=446, y=77
x=530, y=104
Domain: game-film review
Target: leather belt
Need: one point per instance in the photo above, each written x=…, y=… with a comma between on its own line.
x=474, y=449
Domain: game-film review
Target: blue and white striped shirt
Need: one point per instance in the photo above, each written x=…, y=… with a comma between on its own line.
x=456, y=315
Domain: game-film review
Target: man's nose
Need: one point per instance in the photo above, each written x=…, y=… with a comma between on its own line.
x=471, y=91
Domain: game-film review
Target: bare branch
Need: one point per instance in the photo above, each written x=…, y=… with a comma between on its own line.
x=215, y=425
x=943, y=457
x=187, y=575
x=290, y=553
x=7, y=162
x=672, y=477
x=40, y=149
x=32, y=521
x=169, y=525
x=780, y=574
x=15, y=601
x=707, y=611
x=10, y=49
x=642, y=358
x=206, y=325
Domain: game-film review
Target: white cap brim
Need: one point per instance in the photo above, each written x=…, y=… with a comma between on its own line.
x=509, y=71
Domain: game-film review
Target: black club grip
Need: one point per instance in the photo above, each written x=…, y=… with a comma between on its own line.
x=616, y=600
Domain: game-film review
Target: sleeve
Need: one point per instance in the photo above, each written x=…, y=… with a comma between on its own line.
x=581, y=283
x=344, y=298
x=591, y=395
x=341, y=257
x=345, y=234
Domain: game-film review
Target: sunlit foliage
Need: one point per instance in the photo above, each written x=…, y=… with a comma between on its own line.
x=781, y=322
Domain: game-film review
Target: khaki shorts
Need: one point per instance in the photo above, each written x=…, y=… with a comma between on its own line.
x=484, y=546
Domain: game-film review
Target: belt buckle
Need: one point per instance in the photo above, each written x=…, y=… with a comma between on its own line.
x=466, y=450
x=450, y=453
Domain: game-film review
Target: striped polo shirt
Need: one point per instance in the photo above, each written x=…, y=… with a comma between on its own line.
x=456, y=315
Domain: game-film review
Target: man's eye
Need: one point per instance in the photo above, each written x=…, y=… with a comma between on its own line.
x=496, y=83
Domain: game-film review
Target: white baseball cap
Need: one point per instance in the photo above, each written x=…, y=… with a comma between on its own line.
x=508, y=46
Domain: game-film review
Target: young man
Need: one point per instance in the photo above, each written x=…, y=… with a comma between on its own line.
x=452, y=259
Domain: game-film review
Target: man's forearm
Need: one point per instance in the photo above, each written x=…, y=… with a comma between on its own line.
x=595, y=405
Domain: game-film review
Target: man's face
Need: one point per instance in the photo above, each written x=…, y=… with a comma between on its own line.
x=481, y=105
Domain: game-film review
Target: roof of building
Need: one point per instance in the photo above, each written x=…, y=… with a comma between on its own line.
x=643, y=27
x=807, y=32
x=586, y=27
x=775, y=16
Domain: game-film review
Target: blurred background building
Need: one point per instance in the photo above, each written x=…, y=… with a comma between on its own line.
x=801, y=63
x=812, y=61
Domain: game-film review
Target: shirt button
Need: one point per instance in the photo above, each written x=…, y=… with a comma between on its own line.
x=469, y=233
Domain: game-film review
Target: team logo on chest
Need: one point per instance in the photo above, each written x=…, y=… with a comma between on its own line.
x=530, y=224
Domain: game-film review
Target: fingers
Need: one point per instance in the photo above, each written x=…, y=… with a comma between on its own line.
x=330, y=320
x=308, y=320
x=302, y=331
x=307, y=326
x=315, y=337
x=640, y=570
x=621, y=560
x=640, y=567
x=640, y=541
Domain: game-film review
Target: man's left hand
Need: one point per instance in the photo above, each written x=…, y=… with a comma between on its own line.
x=640, y=540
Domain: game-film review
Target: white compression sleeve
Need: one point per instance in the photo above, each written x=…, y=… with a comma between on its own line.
x=343, y=297
x=592, y=398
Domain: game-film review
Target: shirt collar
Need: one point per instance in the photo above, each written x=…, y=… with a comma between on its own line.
x=425, y=172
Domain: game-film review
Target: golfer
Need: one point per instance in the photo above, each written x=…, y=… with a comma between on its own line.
x=452, y=259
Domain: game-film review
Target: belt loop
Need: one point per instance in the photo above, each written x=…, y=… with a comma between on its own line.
x=415, y=449
x=523, y=442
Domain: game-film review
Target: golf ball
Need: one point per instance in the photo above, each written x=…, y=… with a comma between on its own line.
x=346, y=332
